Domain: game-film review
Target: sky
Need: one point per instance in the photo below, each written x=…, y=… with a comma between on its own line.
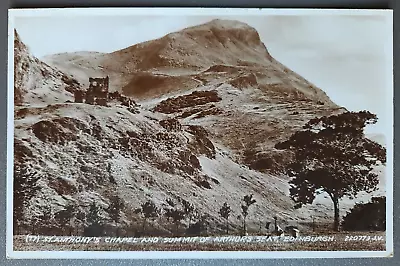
x=349, y=57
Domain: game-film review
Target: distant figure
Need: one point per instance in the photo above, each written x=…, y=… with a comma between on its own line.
x=267, y=225
x=293, y=231
x=278, y=231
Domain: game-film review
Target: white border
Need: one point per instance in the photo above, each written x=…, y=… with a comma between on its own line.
x=69, y=12
x=192, y=12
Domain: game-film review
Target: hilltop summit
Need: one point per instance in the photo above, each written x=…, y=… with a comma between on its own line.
x=177, y=61
x=197, y=47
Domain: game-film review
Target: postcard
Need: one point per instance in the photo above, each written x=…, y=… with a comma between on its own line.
x=240, y=133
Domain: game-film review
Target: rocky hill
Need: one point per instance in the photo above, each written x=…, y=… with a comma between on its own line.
x=213, y=103
x=191, y=57
x=260, y=95
x=36, y=81
x=80, y=65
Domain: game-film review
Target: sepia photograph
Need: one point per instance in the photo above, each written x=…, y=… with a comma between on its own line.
x=267, y=132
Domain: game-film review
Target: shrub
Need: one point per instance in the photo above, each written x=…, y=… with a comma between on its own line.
x=96, y=225
x=369, y=216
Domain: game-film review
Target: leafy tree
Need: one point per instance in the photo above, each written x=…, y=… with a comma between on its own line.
x=366, y=217
x=25, y=184
x=114, y=210
x=248, y=201
x=65, y=216
x=333, y=156
x=177, y=214
x=225, y=212
x=149, y=210
x=95, y=224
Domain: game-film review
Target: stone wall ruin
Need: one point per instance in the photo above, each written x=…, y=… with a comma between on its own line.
x=97, y=93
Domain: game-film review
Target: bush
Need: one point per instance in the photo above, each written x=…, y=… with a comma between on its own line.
x=199, y=228
x=95, y=224
x=94, y=230
x=369, y=216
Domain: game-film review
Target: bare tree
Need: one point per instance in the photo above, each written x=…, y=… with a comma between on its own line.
x=177, y=216
x=25, y=188
x=114, y=209
x=95, y=224
x=188, y=210
x=46, y=220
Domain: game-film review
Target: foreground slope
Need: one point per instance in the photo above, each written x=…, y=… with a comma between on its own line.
x=84, y=154
x=82, y=158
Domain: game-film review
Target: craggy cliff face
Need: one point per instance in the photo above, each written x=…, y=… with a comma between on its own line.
x=36, y=82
